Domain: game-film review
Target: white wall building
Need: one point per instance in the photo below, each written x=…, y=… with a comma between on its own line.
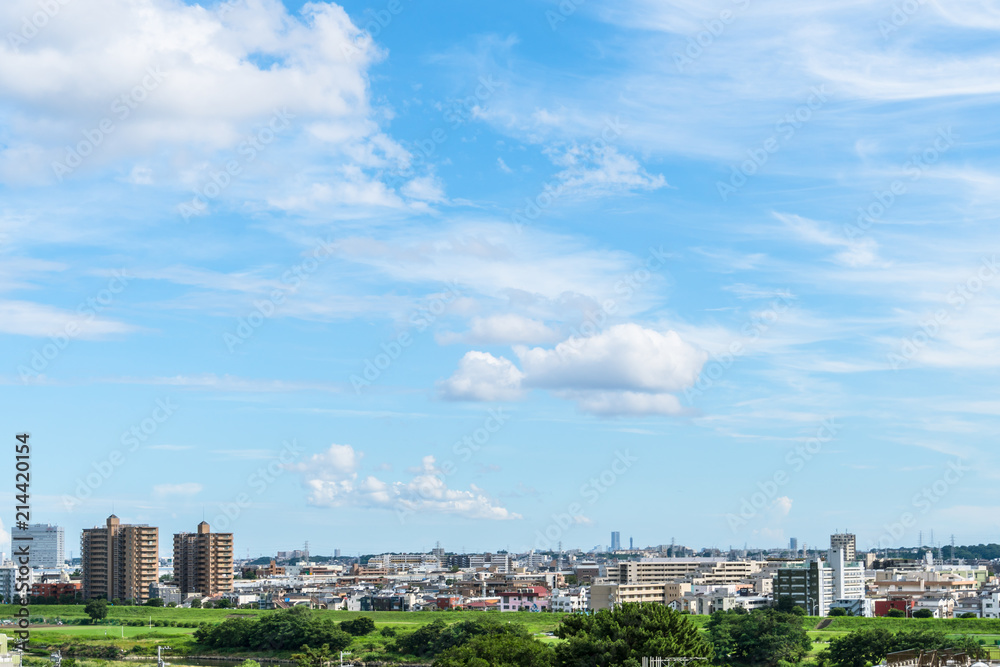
x=48, y=548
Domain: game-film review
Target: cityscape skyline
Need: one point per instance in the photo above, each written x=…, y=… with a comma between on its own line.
x=503, y=275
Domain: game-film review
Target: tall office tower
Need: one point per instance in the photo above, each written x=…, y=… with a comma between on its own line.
x=203, y=561
x=793, y=545
x=848, y=542
x=616, y=541
x=47, y=545
x=119, y=561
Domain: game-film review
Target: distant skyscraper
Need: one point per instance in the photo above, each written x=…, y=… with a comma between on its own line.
x=616, y=541
x=793, y=544
x=631, y=544
x=336, y=553
x=848, y=542
x=47, y=545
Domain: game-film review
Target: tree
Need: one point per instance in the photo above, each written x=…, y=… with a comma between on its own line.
x=223, y=603
x=762, y=637
x=313, y=657
x=196, y=603
x=838, y=611
x=869, y=646
x=968, y=614
x=154, y=602
x=923, y=613
x=437, y=637
x=97, y=609
x=505, y=650
x=359, y=627
x=623, y=635
x=895, y=613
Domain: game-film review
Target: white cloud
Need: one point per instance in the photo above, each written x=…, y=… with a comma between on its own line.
x=33, y=319
x=178, y=84
x=503, y=329
x=625, y=370
x=860, y=251
x=333, y=480
x=183, y=489
x=600, y=171
x=482, y=377
x=625, y=357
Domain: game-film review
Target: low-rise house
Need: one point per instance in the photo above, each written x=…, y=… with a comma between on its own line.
x=533, y=598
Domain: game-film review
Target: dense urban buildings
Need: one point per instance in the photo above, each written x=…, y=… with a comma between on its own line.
x=203, y=562
x=119, y=561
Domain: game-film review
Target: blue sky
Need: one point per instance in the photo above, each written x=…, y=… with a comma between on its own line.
x=503, y=275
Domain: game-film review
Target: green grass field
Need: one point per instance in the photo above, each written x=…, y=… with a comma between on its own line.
x=142, y=640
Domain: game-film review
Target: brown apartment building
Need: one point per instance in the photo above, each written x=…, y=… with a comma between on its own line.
x=203, y=562
x=119, y=561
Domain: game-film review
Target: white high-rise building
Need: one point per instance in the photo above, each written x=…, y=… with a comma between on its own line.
x=47, y=545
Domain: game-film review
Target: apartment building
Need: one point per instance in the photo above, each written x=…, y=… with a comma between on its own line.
x=700, y=571
x=203, y=562
x=610, y=595
x=119, y=560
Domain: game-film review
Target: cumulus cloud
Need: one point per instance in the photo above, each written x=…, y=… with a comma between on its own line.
x=483, y=377
x=626, y=370
x=333, y=480
x=165, y=92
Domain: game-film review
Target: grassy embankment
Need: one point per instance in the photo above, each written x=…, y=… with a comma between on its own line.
x=87, y=639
